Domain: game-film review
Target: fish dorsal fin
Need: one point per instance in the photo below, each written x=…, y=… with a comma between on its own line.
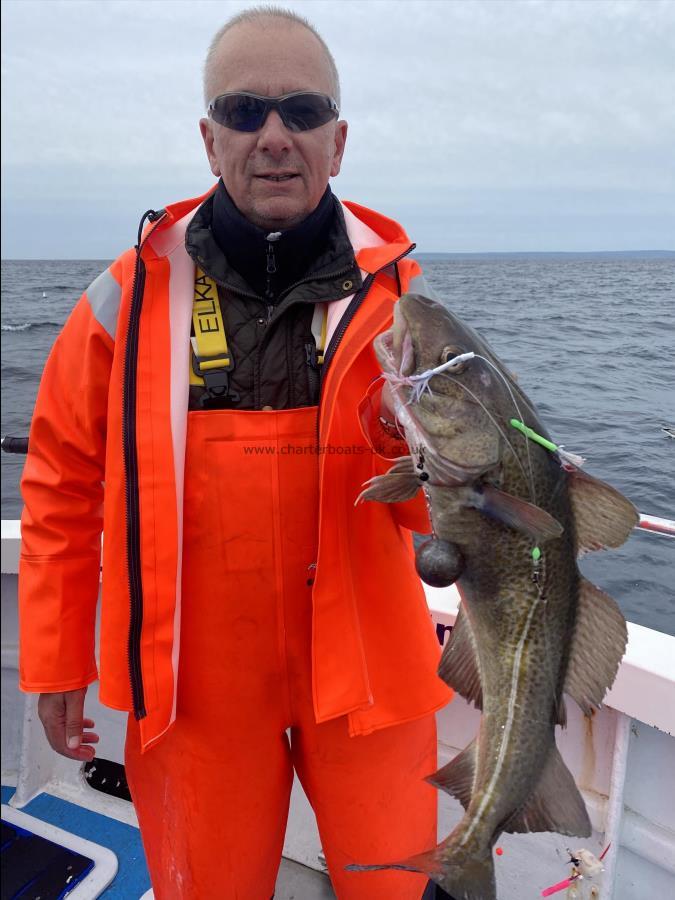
x=400, y=483
x=555, y=805
x=598, y=644
x=602, y=516
x=458, y=776
x=460, y=666
x=516, y=513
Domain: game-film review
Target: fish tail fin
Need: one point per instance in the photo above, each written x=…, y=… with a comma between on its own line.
x=464, y=875
x=555, y=804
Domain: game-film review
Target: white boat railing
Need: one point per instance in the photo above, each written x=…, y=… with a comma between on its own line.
x=657, y=525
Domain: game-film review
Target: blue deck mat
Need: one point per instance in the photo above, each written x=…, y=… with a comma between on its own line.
x=132, y=879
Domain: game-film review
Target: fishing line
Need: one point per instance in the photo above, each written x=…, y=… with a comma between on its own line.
x=530, y=433
x=520, y=415
x=535, y=553
x=491, y=418
x=537, y=557
x=421, y=434
x=538, y=560
x=420, y=383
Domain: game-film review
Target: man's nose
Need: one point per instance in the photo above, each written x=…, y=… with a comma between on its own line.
x=274, y=137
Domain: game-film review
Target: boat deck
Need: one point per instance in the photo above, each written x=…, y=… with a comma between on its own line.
x=295, y=881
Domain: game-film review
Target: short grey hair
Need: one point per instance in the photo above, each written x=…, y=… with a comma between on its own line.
x=261, y=15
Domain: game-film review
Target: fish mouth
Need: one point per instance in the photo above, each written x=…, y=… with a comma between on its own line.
x=395, y=348
x=395, y=351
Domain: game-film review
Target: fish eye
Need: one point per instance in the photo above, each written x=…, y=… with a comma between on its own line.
x=449, y=353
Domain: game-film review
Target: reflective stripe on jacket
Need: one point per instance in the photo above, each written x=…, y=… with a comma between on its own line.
x=374, y=648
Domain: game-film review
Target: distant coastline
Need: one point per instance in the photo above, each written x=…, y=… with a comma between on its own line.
x=541, y=255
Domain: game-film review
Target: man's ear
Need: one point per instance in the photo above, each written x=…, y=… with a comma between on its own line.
x=206, y=129
x=340, y=140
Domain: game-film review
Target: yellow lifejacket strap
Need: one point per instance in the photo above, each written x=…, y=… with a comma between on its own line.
x=209, y=344
x=319, y=326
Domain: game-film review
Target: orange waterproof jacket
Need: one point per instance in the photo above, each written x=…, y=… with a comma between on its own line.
x=112, y=410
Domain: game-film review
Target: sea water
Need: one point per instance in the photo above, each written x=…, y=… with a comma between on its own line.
x=590, y=340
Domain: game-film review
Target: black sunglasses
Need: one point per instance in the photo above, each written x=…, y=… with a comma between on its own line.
x=299, y=111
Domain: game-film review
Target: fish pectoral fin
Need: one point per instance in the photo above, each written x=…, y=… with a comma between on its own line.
x=555, y=805
x=457, y=777
x=516, y=513
x=603, y=517
x=460, y=663
x=400, y=483
x=598, y=645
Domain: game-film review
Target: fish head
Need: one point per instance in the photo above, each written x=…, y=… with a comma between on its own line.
x=457, y=416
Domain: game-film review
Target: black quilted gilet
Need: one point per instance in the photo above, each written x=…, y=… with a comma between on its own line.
x=270, y=338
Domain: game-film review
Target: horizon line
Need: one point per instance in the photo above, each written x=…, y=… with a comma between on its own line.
x=416, y=253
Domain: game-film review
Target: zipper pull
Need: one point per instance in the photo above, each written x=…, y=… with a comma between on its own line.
x=270, y=311
x=271, y=239
x=271, y=261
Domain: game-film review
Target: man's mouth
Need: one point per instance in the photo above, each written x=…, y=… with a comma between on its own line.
x=284, y=177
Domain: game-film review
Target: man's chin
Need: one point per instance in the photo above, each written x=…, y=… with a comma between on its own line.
x=277, y=214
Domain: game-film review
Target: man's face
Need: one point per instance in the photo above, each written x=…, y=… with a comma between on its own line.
x=273, y=60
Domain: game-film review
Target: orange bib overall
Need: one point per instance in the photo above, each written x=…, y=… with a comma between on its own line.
x=212, y=796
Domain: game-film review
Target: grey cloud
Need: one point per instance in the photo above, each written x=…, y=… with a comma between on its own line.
x=483, y=125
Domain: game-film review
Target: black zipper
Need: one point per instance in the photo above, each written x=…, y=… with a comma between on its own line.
x=253, y=296
x=271, y=261
x=131, y=472
x=289, y=369
x=347, y=316
x=130, y=451
x=270, y=313
x=312, y=372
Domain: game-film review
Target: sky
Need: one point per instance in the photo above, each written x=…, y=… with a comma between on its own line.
x=481, y=125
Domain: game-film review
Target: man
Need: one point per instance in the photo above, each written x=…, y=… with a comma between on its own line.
x=211, y=380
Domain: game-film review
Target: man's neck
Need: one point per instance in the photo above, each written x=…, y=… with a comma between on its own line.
x=270, y=260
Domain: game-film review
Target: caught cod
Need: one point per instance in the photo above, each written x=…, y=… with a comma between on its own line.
x=509, y=519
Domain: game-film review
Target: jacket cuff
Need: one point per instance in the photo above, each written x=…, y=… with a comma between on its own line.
x=57, y=622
